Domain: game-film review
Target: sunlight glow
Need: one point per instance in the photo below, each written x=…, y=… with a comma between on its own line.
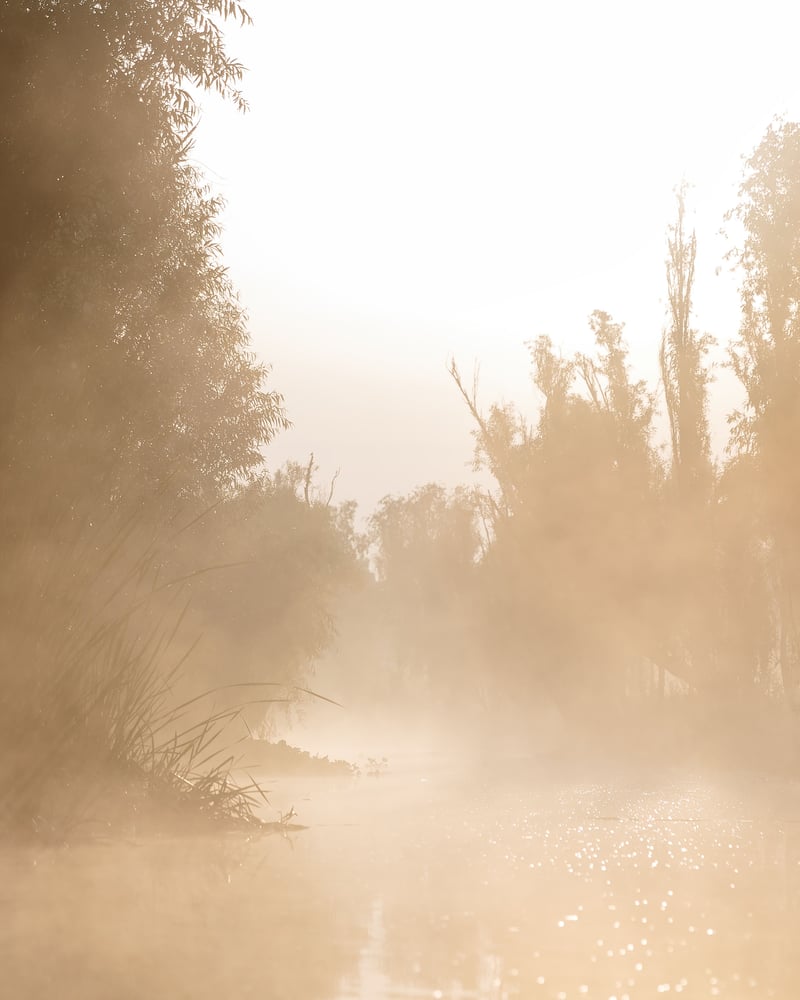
x=455, y=178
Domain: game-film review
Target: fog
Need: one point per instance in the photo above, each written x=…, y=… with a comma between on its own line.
x=399, y=562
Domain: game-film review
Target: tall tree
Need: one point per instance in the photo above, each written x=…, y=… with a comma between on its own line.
x=124, y=353
x=565, y=578
x=684, y=374
x=766, y=358
x=128, y=390
x=628, y=404
x=688, y=556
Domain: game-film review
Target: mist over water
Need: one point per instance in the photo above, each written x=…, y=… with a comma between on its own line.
x=531, y=735
x=432, y=881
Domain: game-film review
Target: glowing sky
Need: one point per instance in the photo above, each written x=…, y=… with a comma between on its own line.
x=421, y=179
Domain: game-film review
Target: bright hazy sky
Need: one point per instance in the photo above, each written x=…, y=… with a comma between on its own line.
x=421, y=179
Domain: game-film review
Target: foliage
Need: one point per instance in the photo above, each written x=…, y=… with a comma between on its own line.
x=601, y=562
x=126, y=372
x=689, y=556
x=94, y=712
x=285, y=557
x=424, y=549
x=682, y=359
x=766, y=359
x=566, y=567
x=129, y=396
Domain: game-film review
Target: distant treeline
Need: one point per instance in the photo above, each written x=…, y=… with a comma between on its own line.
x=599, y=572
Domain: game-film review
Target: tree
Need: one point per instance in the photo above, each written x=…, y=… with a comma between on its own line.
x=424, y=549
x=564, y=581
x=684, y=375
x=688, y=558
x=126, y=371
x=766, y=359
x=275, y=556
x=628, y=404
x=128, y=392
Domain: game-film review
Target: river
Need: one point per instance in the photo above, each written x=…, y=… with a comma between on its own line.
x=431, y=880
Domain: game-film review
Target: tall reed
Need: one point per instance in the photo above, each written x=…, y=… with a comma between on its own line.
x=91, y=652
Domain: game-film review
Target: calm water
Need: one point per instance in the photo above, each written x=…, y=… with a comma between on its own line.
x=428, y=882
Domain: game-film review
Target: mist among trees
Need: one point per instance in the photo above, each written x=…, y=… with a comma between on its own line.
x=645, y=594
x=150, y=551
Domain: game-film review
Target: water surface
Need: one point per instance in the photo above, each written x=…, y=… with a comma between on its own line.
x=430, y=881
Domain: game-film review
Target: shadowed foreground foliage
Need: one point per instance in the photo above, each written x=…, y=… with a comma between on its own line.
x=130, y=404
x=92, y=729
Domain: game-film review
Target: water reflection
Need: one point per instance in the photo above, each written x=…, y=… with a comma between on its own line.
x=195, y=919
x=451, y=887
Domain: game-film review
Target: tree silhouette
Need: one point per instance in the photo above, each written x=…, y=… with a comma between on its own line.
x=766, y=359
x=124, y=353
x=684, y=375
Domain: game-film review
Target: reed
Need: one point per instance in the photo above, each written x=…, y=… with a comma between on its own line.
x=90, y=728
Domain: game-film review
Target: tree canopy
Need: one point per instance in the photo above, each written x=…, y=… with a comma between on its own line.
x=126, y=367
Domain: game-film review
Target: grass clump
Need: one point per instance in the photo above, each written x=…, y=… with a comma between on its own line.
x=91, y=731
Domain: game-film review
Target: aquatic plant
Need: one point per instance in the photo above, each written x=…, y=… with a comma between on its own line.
x=91, y=725
x=374, y=767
